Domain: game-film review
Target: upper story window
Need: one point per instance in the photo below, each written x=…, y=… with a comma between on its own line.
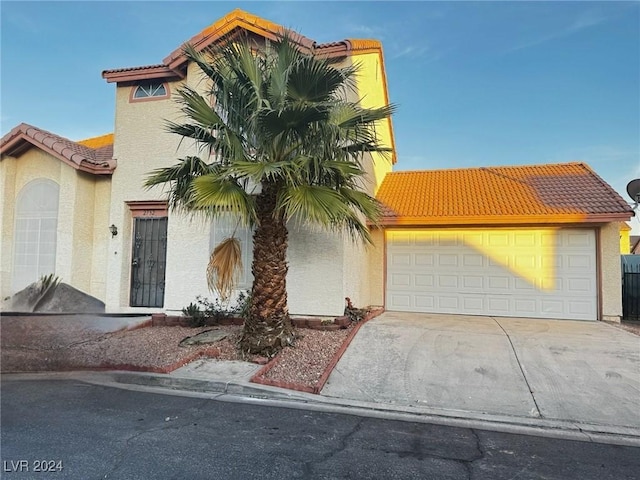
x=150, y=90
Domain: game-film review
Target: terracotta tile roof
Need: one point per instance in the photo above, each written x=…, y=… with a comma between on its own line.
x=97, y=160
x=141, y=67
x=146, y=72
x=233, y=22
x=97, y=142
x=229, y=23
x=558, y=193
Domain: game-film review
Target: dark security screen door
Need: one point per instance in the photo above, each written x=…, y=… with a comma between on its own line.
x=148, y=262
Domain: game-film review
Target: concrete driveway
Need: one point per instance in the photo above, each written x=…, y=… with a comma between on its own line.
x=575, y=371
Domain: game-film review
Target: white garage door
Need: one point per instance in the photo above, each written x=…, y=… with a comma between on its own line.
x=539, y=273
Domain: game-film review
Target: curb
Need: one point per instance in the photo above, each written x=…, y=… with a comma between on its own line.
x=244, y=392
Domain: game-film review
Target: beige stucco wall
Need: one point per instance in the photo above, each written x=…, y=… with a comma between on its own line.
x=371, y=94
x=101, y=236
x=141, y=145
x=77, y=217
x=376, y=264
x=187, y=258
x=8, y=192
x=314, y=281
x=610, y=273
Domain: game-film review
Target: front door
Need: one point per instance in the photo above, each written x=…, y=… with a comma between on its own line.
x=148, y=262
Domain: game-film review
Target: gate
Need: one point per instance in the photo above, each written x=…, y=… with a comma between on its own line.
x=148, y=262
x=630, y=291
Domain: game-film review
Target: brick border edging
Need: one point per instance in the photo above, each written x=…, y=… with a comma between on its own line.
x=258, y=376
x=210, y=352
x=164, y=320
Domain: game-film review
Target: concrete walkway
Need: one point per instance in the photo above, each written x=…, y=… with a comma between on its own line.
x=547, y=369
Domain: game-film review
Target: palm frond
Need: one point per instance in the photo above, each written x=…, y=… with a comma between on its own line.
x=219, y=194
x=367, y=205
x=225, y=265
x=198, y=109
x=259, y=171
x=179, y=178
x=315, y=204
x=314, y=80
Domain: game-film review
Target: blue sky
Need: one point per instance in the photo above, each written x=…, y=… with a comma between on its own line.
x=475, y=83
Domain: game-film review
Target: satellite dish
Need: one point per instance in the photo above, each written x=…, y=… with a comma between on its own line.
x=633, y=189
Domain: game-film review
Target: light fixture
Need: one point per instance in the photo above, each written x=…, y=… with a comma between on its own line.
x=114, y=230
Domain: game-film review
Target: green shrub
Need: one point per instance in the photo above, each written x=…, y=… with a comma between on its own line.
x=195, y=313
x=47, y=281
x=243, y=304
x=203, y=309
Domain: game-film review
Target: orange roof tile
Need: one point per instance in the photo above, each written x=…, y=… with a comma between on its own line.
x=97, y=142
x=558, y=193
x=234, y=21
x=92, y=159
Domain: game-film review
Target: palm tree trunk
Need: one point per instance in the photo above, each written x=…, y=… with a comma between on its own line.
x=268, y=327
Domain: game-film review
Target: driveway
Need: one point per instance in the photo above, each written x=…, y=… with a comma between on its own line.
x=553, y=369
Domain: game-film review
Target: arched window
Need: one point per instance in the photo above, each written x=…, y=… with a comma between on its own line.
x=150, y=90
x=35, y=233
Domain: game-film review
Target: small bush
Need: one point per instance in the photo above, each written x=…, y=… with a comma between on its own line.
x=47, y=281
x=243, y=305
x=203, y=309
x=195, y=313
x=215, y=309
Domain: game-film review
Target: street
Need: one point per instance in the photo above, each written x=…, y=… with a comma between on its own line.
x=73, y=430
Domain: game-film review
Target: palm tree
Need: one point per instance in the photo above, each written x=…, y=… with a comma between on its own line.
x=285, y=146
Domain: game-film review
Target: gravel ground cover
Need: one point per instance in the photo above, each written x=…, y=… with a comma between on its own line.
x=306, y=361
x=32, y=344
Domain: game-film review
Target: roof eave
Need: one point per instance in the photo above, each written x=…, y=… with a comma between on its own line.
x=151, y=73
x=499, y=220
x=21, y=142
x=224, y=32
x=107, y=168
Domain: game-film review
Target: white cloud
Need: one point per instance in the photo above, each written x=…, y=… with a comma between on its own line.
x=583, y=21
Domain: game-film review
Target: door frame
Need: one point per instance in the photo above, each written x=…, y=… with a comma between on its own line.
x=144, y=209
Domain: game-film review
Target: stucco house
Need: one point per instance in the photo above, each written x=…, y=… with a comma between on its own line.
x=530, y=241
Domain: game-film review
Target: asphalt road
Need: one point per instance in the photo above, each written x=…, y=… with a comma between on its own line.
x=81, y=431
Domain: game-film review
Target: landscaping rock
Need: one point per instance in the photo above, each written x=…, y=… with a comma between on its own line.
x=206, y=337
x=60, y=298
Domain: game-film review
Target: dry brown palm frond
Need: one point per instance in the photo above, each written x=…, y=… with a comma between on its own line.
x=225, y=265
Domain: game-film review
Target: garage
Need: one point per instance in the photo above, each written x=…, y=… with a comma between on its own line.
x=515, y=272
x=530, y=241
